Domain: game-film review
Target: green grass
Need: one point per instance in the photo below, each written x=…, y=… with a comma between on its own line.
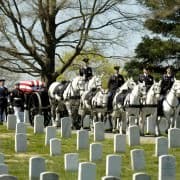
x=18, y=163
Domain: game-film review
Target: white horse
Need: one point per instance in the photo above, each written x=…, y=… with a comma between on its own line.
x=171, y=107
x=149, y=108
x=118, y=114
x=133, y=103
x=65, y=99
x=93, y=86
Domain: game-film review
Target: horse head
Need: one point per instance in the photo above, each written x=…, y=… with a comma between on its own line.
x=141, y=88
x=101, y=98
x=176, y=88
x=75, y=88
x=95, y=82
x=128, y=85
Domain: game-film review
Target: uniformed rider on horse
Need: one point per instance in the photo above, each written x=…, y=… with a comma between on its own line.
x=166, y=83
x=86, y=70
x=147, y=78
x=115, y=81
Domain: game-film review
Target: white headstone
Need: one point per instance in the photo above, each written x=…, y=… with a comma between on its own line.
x=38, y=124
x=36, y=167
x=66, y=124
x=113, y=165
x=82, y=139
x=71, y=161
x=1, y=158
x=7, y=177
x=20, y=142
x=161, y=146
x=137, y=159
x=167, y=167
x=26, y=116
x=174, y=138
x=98, y=131
x=141, y=176
x=133, y=136
x=11, y=122
x=86, y=122
x=55, y=146
x=95, y=152
x=132, y=120
x=50, y=133
x=20, y=128
x=49, y=176
x=87, y=171
x=119, y=143
x=3, y=168
x=150, y=125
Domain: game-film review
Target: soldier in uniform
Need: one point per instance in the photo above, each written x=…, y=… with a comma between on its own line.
x=17, y=100
x=86, y=70
x=167, y=81
x=147, y=78
x=3, y=100
x=115, y=81
x=166, y=84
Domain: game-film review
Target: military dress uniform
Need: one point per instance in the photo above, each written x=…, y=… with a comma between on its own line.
x=86, y=72
x=114, y=83
x=166, y=84
x=17, y=101
x=3, y=102
x=147, y=79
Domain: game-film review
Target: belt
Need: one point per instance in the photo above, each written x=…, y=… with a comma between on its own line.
x=16, y=99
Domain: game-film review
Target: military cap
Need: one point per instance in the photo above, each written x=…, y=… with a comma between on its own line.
x=86, y=60
x=116, y=67
x=2, y=79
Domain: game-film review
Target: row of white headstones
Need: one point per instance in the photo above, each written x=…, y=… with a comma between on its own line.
x=87, y=170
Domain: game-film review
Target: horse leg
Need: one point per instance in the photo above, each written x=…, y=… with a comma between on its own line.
x=157, y=128
x=142, y=121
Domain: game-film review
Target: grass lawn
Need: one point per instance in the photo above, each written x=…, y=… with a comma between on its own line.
x=18, y=163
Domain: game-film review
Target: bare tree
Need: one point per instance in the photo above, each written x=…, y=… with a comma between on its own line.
x=36, y=33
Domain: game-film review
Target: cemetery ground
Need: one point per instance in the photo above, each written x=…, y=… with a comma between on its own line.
x=18, y=163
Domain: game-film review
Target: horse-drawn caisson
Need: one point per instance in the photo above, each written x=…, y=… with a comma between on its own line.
x=78, y=98
x=36, y=100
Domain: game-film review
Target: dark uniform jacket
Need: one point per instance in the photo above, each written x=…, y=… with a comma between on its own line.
x=17, y=98
x=147, y=79
x=86, y=72
x=115, y=82
x=166, y=84
x=3, y=96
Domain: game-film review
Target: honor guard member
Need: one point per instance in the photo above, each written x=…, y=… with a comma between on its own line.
x=3, y=100
x=167, y=81
x=146, y=78
x=115, y=81
x=17, y=101
x=86, y=70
